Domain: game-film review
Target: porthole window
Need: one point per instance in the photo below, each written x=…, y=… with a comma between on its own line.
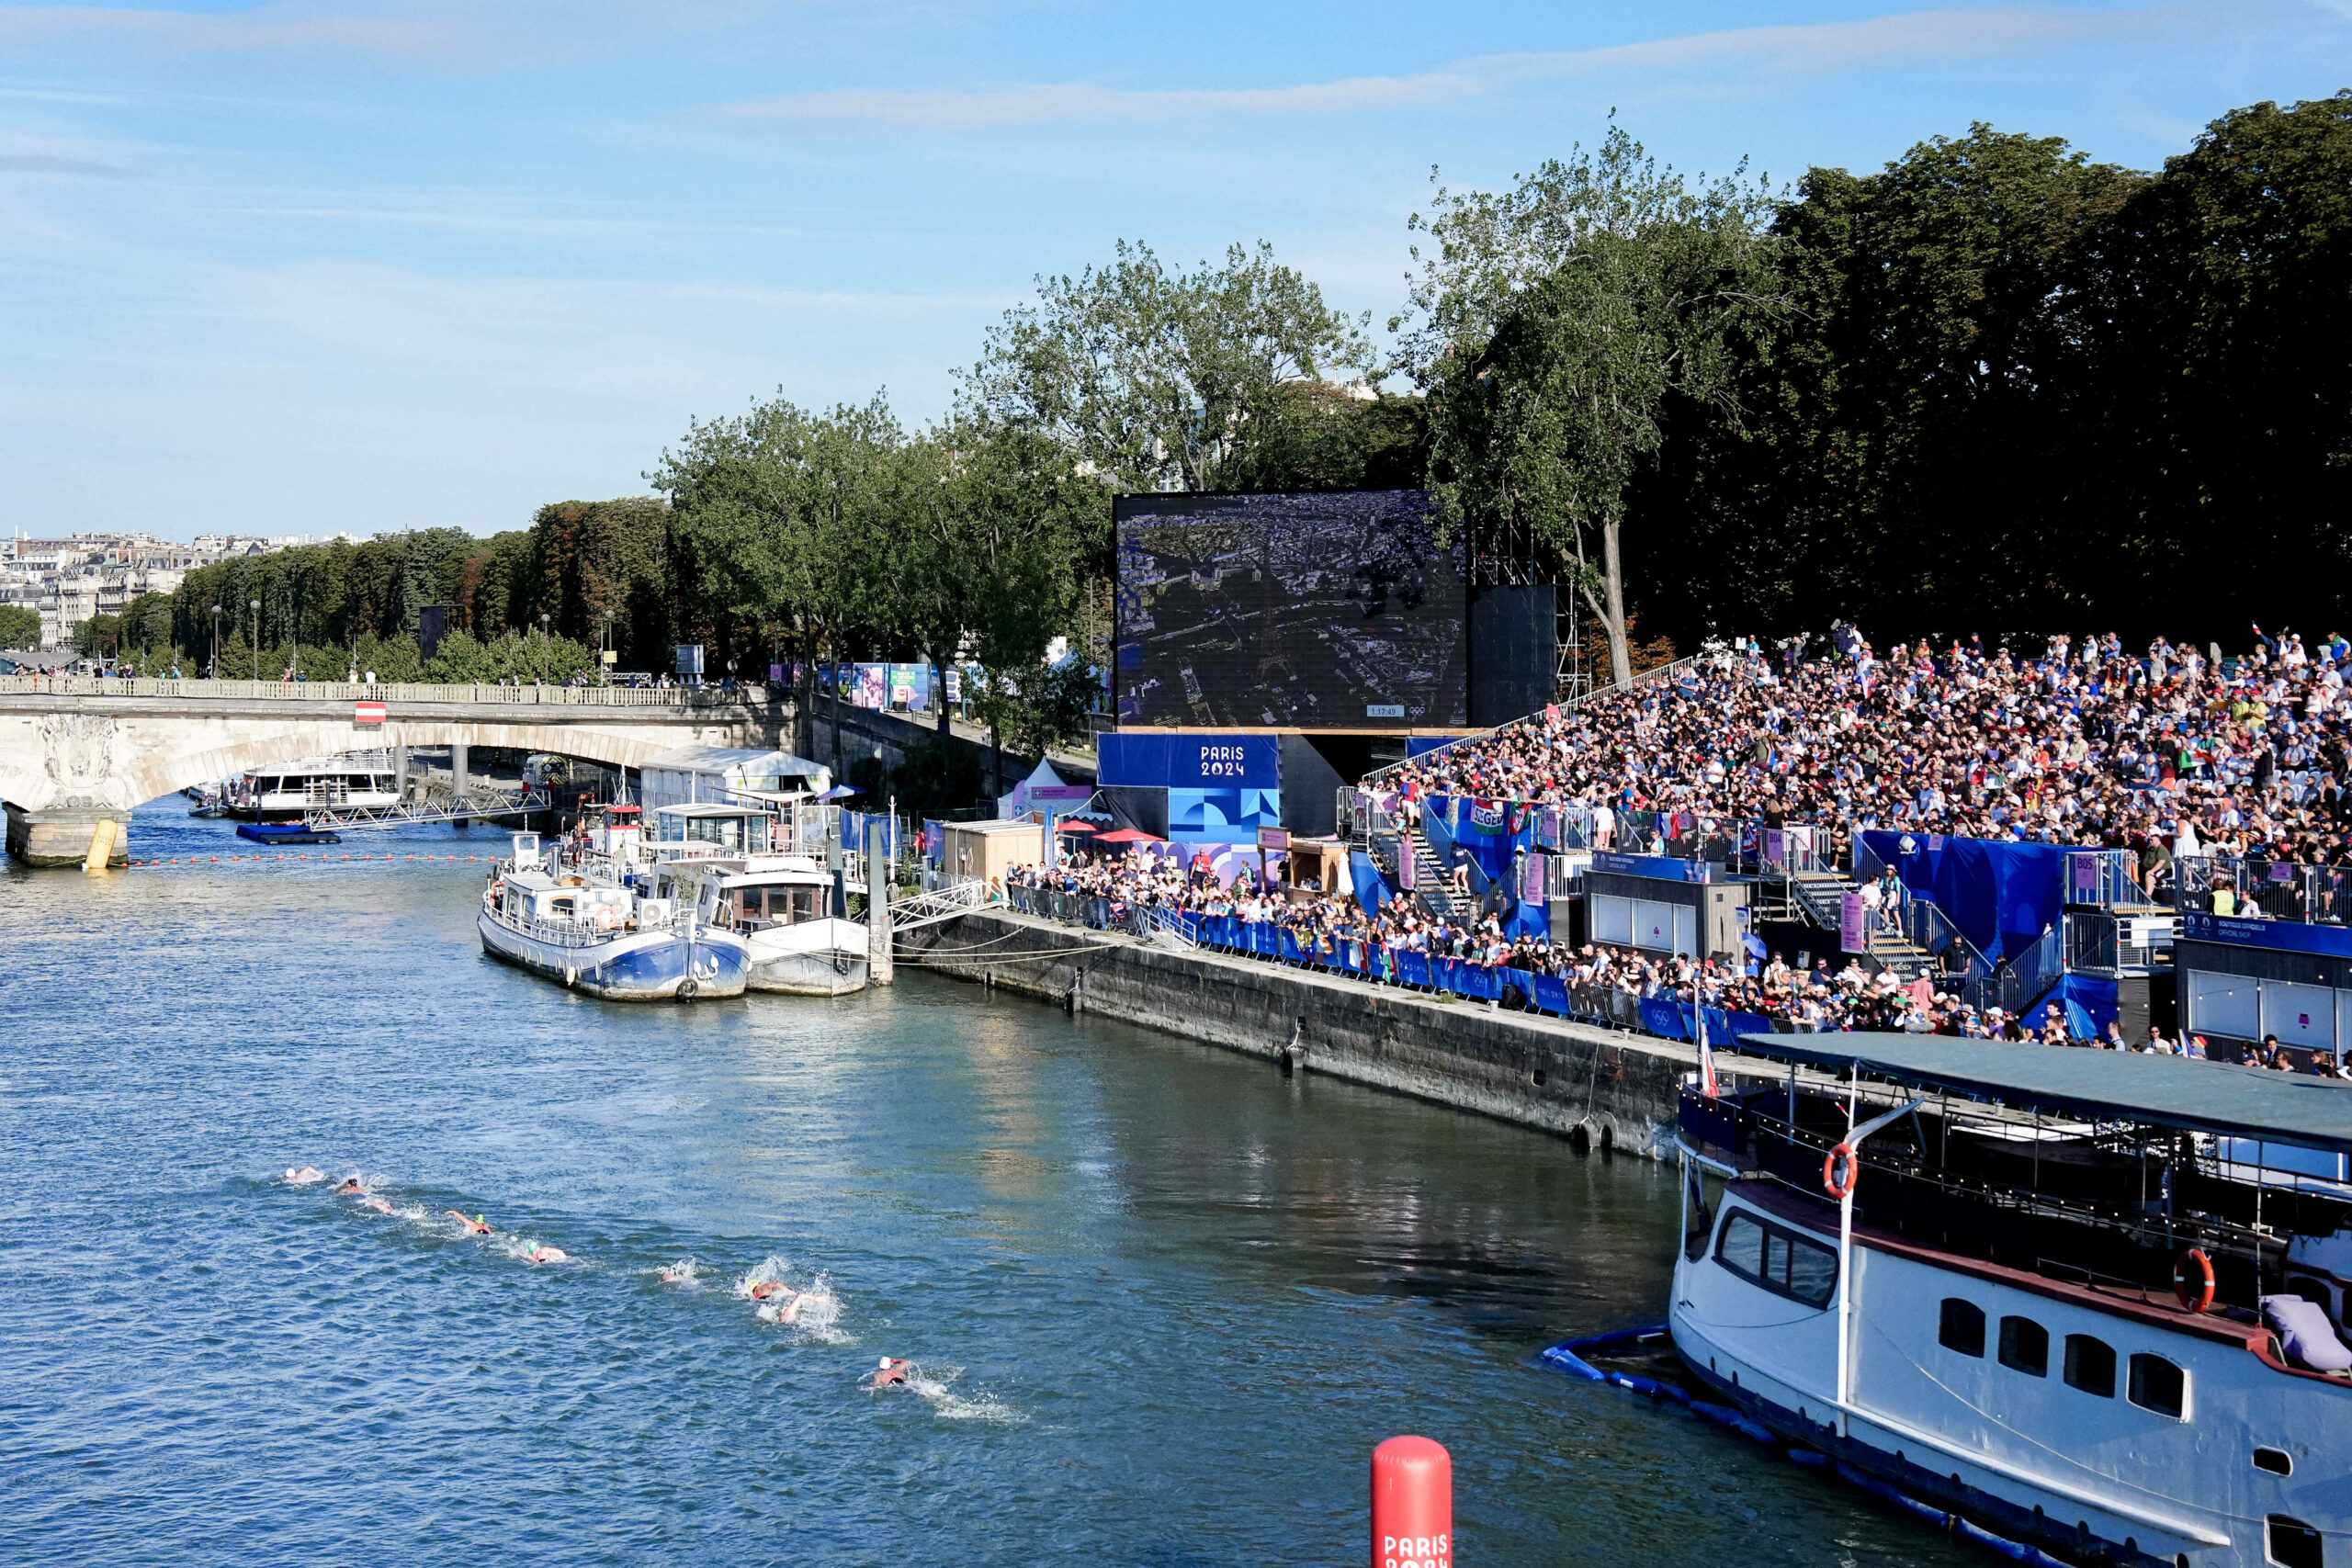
x=2290, y=1543
x=2090, y=1365
x=2277, y=1461
x=2158, y=1385
x=1962, y=1327
x=2024, y=1346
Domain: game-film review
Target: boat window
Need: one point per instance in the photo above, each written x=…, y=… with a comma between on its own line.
x=1741, y=1248
x=1962, y=1328
x=1697, y=1217
x=2090, y=1365
x=2313, y=1290
x=2024, y=1346
x=2158, y=1385
x=2277, y=1461
x=1779, y=1259
x=2290, y=1543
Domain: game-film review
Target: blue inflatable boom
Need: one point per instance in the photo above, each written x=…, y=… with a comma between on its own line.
x=1569, y=1355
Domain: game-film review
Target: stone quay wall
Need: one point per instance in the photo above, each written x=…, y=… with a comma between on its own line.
x=1592, y=1086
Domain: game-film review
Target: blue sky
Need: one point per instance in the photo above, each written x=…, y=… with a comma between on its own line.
x=326, y=265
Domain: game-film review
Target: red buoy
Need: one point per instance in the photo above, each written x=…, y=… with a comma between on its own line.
x=1412, y=1504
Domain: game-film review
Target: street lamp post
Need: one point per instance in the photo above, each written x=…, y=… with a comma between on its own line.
x=546, y=649
x=215, y=642
x=254, y=605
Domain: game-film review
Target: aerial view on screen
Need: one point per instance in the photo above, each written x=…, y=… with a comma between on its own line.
x=1318, y=611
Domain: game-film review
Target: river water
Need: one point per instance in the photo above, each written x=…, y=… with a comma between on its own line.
x=1163, y=1301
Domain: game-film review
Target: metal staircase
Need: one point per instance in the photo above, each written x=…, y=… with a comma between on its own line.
x=1821, y=896
x=1429, y=877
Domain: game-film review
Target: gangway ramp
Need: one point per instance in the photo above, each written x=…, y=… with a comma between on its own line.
x=474, y=805
x=945, y=904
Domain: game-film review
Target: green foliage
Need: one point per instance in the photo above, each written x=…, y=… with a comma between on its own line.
x=100, y=636
x=1160, y=379
x=1557, y=327
x=1033, y=707
x=19, y=627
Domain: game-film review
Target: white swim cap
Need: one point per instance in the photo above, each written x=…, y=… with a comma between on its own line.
x=885, y=1363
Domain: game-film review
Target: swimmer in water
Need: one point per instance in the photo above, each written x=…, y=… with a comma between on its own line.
x=789, y=1310
x=678, y=1274
x=305, y=1176
x=891, y=1373
x=541, y=1252
x=372, y=1201
x=351, y=1187
x=477, y=1226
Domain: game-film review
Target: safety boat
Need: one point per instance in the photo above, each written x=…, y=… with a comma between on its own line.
x=600, y=937
x=2085, y=1303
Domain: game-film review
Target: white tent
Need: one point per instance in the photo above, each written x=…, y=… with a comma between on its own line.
x=1018, y=803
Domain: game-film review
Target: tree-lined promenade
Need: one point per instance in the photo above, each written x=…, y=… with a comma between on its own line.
x=1993, y=387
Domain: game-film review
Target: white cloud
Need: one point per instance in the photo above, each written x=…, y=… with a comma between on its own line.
x=1786, y=51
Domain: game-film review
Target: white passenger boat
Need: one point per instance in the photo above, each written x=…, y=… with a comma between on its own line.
x=284, y=792
x=2069, y=1297
x=727, y=865
x=602, y=938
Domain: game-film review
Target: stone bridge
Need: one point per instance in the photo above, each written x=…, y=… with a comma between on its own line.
x=75, y=750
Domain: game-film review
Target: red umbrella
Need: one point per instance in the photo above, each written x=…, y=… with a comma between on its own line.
x=1130, y=836
x=1078, y=827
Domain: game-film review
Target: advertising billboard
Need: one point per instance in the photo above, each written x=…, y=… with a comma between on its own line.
x=1327, y=610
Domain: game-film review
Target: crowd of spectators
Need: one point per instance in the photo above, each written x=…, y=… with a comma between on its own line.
x=1802, y=999
x=2170, y=752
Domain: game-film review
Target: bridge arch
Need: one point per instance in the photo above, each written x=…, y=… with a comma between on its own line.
x=85, y=761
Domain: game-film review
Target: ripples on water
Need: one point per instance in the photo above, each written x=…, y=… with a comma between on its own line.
x=1162, y=1302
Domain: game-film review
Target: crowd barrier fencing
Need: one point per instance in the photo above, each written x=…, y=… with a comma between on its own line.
x=1410, y=969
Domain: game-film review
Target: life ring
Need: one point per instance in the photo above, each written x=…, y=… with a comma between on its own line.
x=2193, y=1280
x=1841, y=1156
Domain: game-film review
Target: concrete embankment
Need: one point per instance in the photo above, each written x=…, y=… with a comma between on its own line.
x=1523, y=1068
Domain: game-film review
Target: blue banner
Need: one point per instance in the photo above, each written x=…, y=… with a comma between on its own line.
x=1664, y=1018
x=2002, y=896
x=1663, y=867
x=1189, y=761
x=2289, y=936
x=1548, y=993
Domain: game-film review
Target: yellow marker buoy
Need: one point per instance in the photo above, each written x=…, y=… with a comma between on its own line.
x=101, y=845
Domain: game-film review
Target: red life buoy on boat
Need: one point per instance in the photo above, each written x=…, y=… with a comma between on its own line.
x=2193, y=1280
x=1837, y=1172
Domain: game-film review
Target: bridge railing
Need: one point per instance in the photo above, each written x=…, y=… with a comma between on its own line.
x=380, y=692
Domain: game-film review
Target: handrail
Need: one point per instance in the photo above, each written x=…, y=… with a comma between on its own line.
x=380, y=692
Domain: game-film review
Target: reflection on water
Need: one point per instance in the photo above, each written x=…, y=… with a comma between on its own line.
x=1161, y=1301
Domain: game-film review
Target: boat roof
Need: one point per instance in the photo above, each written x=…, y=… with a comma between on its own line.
x=2099, y=1086
x=735, y=759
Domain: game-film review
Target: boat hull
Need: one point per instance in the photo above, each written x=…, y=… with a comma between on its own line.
x=633, y=967
x=816, y=958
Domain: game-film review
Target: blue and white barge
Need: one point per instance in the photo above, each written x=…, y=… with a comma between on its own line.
x=600, y=937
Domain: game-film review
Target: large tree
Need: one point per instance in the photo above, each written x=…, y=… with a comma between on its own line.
x=1556, y=329
x=1161, y=379
x=785, y=516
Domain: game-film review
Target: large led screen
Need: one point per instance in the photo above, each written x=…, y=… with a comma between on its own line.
x=1327, y=610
